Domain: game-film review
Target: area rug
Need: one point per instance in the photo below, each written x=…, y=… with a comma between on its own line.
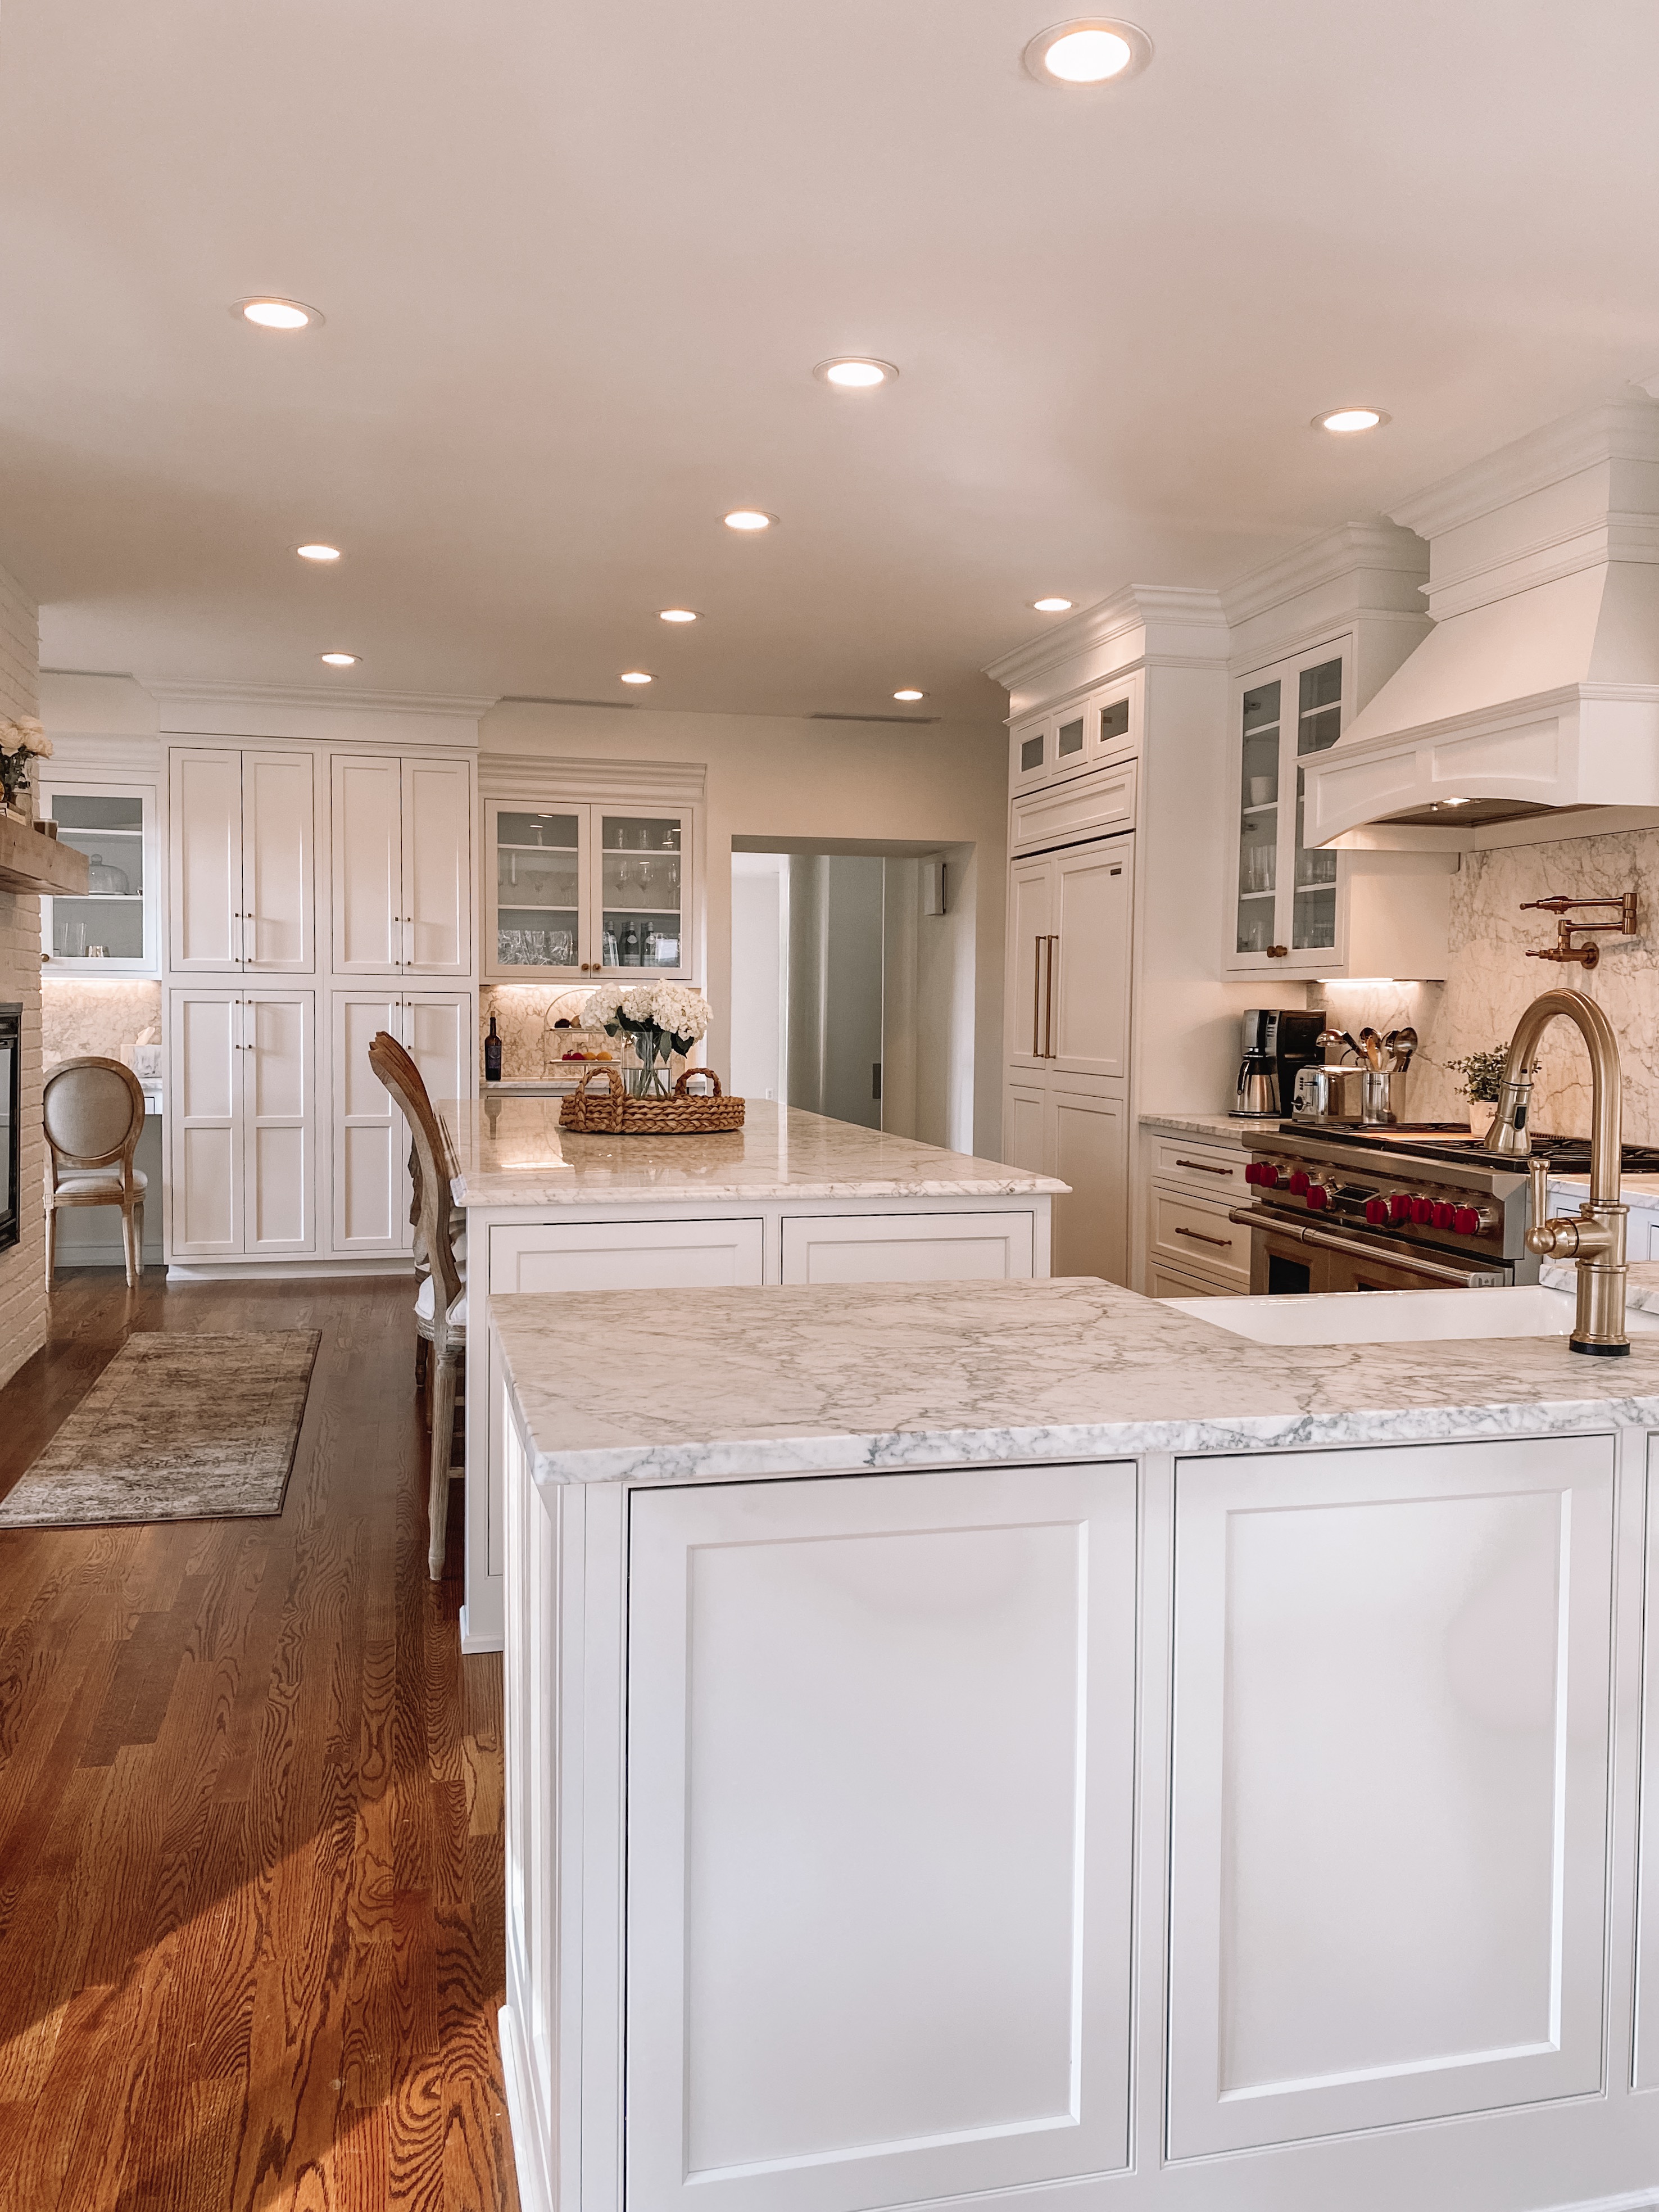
x=177, y=1427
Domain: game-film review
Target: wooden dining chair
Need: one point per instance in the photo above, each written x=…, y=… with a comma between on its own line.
x=94, y=1113
x=440, y=1301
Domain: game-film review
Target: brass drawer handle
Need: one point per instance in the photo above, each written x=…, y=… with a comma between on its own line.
x=1203, y=1168
x=1199, y=1237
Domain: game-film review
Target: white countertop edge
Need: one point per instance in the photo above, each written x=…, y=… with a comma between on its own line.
x=500, y=1193
x=1220, y=1128
x=753, y=1459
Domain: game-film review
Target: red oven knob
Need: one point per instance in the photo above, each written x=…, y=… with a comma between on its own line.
x=1443, y=1213
x=1262, y=1172
x=1465, y=1220
x=1376, y=1211
x=1298, y=1183
x=1318, y=1198
x=1399, y=1206
x=1422, y=1209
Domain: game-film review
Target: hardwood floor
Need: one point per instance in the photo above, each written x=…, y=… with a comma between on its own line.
x=251, y=1885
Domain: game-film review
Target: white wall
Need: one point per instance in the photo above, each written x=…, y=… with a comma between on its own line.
x=771, y=777
x=760, y=908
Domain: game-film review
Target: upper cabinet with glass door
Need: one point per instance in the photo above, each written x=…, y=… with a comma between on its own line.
x=585, y=889
x=1088, y=733
x=1285, y=909
x=113, y=928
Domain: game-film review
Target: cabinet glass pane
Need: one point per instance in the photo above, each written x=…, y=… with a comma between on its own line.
x=639, y=890
x=1115, y=721
x=1258, y=817
x=1071, y=738
x=1030, y=755
x=538, y=890
x=1319, y=724
x=109, y=923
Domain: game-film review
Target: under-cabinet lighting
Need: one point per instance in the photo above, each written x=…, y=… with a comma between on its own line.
x=1089, y=50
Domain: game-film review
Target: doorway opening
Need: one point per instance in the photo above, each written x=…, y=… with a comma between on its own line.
x=852, y=982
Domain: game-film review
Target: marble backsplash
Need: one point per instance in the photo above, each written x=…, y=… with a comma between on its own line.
x=1490, y=982
x=524, y=1015
x=80, y=1016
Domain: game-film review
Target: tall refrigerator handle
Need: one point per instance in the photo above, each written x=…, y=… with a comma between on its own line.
x=1037, y=944
x=1048, y=999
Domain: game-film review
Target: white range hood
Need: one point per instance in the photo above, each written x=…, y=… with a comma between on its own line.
x=1531, y=709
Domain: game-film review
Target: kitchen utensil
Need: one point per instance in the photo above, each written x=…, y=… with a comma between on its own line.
x=1372, y=1045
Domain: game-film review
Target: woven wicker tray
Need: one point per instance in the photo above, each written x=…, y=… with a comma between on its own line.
x=617, y=1115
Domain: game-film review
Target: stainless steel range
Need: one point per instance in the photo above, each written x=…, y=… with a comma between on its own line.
x=1342, y=1208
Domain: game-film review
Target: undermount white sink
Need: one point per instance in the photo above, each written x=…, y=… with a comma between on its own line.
x=1400, y=1317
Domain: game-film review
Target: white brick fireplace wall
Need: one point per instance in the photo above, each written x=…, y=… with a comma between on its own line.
x=23, y=1268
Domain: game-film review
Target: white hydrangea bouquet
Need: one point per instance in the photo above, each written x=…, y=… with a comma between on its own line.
x=20, y=742
x=657, y=1019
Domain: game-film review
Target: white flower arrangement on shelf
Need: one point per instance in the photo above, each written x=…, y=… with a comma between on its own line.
x=657, y=1019
x=20, y=742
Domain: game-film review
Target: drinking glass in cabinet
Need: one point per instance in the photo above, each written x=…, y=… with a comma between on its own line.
x=641, y=886
x=536, y=832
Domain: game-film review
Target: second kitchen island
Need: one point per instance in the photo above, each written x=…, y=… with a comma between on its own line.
x=790, y=1198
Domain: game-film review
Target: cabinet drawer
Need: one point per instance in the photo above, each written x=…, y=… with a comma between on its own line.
x=1087, y=806
x=1171, y=1283
x=898, y=1248
x=625, y=1255
x=1190, y=1233
x=1217, y=1171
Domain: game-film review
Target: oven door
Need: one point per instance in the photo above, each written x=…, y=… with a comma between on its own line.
x=1288, y=1260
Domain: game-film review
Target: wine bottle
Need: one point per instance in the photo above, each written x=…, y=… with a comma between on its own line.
x=492, y=1054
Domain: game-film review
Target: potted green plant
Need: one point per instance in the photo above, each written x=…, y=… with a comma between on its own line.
x=1483, y=1076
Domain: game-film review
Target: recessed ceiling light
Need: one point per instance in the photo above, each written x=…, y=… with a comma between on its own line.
x=341, y=660
x=677, y=615
x=318, y=552
x=1089, y=50
x=1052, y=606
x=909, y=695
x=277, y=315
x=855, y=371
x=634, y=675
x=1343, y=419
x=749, y=517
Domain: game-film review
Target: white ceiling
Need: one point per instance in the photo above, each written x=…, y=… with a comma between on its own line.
x=578, y=261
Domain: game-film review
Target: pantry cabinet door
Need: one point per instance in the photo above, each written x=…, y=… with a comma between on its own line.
x=1025, y=1133
x=367, y=845
x=1393, y=1676
x=370, y=1197
x=204, y=856
x=1027, y=995
x=1088, y=1149
x=437, y=868
x=203, y=1125
x=279, y=896
x=880, y=1782
x=279, y=1107
x=440, y=1036
x=1093, y=926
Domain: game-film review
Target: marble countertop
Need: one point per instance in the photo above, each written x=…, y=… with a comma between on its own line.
x=1641, y=1190
x=1217, y=1128
x=512, y=1152
x=864, y=1377
x=1641, y=1283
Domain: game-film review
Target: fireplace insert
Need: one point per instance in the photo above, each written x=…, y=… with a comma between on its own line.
x=11, y=1053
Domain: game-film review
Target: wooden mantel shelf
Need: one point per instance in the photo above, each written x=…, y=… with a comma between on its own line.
x=30, y=862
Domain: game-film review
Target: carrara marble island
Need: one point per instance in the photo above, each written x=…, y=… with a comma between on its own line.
x=790, y=1198
x=1018, y=1737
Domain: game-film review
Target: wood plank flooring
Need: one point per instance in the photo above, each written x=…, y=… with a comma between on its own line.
x=251, y=1883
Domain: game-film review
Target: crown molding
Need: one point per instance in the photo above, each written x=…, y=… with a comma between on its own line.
x=1137, y=606
x=548, y=779
x=1374, y=545
x=196, y=690
x=1627, y=429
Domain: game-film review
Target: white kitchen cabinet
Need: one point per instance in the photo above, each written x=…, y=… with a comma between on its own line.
x=881, y=1732
x=1070, y=941
x=401, y=864
x=241, y=1123
x=1069, y=741
x=1645, y=2071
x=1077, y=1130
x=115, y=927
x=587, y=888
x=916, y=1248
x=1388, y=1895
x=369, y=1140
x=1191, y=1189
x=241, y=833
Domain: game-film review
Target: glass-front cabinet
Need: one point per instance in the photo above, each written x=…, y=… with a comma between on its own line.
x=583, y=890
x=1284, y=915
x=112, y=929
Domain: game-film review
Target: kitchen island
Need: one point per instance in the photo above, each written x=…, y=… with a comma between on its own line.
x=789, y=1197
x=1018, y=1737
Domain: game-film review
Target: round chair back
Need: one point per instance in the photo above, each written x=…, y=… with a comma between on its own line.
x=92, y=1110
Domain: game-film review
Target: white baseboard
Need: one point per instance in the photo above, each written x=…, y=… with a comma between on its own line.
x=535, y=2190
x=257, y=1271
x=470, y=1643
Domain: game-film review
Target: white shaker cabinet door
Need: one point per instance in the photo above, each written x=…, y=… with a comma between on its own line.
x=1026, y=1134
x=370, y=1203
x=1029, y=982
x=279, y=1109
x=203, y=1125
x=205, y=854
x=1094, y=901
x=1388, y=1874
x=437, y=868
x=278, y=872
x=365, y=843
x=881, y=1757
x=1088, y=1150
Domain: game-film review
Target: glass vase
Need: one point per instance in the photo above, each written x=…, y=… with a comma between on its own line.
x=649, y=1079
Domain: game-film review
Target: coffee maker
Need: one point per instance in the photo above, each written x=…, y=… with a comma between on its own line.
x=1277, y=1045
